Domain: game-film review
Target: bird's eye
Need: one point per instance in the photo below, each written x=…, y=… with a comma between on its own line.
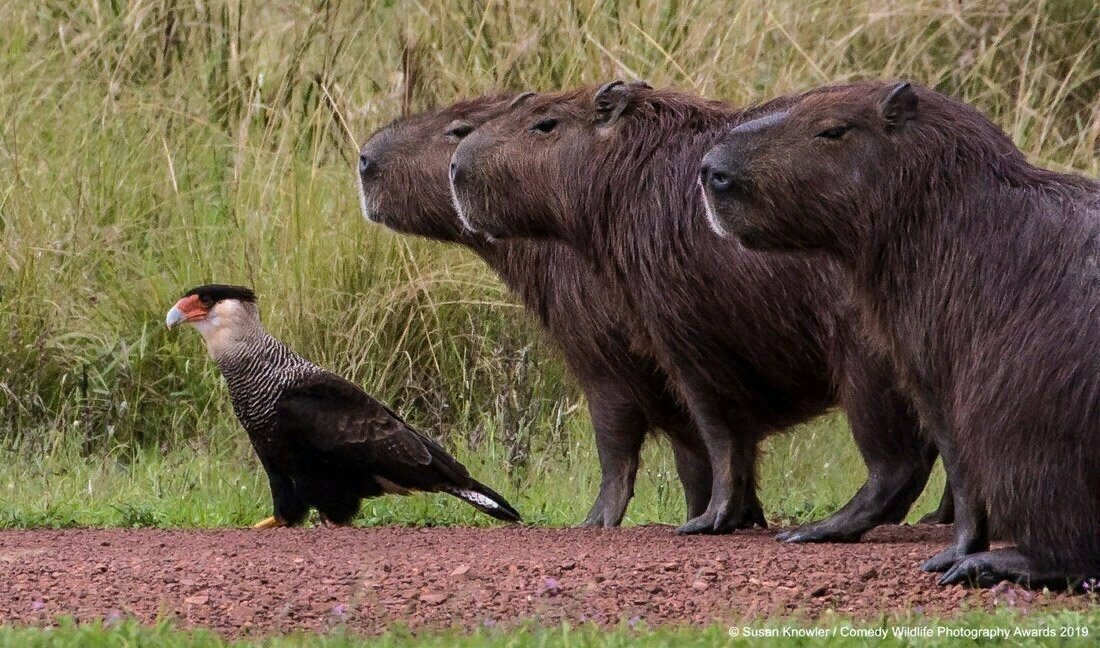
x=835, y=132
x=545, y=125
x=459, y=130
x=206, y=300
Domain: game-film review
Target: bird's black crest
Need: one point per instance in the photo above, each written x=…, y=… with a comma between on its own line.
x=214, y=293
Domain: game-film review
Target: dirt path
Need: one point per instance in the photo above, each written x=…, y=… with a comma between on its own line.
x=249, y=581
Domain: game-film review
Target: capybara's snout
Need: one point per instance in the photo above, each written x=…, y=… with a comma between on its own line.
x=463, y=160
x=368, y=165
x=715, y=172
x=724, y=174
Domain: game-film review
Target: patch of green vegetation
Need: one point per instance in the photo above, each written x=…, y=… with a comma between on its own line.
x=146, y=147
x=804, y=475
x=1005, y=626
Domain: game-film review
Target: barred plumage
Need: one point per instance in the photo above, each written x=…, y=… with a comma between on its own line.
x=323, y=441
x=257, y=372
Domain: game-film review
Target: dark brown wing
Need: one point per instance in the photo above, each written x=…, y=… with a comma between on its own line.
x=338, y=418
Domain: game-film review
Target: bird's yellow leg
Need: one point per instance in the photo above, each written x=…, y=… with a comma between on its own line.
x=270, y=523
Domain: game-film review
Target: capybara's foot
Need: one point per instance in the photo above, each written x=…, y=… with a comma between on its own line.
x=752, y=515
x=700, y=524
x=824, y=531
x=270, y=523
x=942, y=561
x=989, y=568
x=719, y=520
x=601, y=518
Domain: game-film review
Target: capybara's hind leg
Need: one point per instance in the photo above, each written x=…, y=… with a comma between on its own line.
x=945, y=512
x=988, y=568
x=693, y=468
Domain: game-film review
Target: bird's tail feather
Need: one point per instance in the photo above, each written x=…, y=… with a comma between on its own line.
x=487, y=501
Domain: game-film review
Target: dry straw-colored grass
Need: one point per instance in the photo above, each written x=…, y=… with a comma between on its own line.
x=150, y=145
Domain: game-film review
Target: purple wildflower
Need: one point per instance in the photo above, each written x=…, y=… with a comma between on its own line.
x=550, y=587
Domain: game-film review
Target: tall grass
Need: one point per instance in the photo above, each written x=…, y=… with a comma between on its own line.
x=151, y=145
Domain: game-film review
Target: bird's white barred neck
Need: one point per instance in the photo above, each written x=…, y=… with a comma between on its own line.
x=257, y=367
x=257, y=370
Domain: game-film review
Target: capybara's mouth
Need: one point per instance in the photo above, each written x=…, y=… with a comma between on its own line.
x=460, y=199
x=714, y=219
x=370, y=203
x=749, y=239
x=727, y=213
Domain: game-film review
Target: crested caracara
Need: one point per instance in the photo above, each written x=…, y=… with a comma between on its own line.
x=324, y=442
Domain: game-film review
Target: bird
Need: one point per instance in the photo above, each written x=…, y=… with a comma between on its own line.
x=322, y=440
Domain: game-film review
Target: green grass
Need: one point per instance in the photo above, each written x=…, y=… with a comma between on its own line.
x=836, y=631
x=218, y=482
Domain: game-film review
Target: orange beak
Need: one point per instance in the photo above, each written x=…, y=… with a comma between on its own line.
x=188, y=309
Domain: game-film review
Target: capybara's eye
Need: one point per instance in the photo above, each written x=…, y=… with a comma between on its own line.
x=459, y=130
x=545, y=125
x=835, y=132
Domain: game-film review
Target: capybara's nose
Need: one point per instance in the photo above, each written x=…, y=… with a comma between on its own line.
x=715, y=179
x=456, y=172
x=367, y=165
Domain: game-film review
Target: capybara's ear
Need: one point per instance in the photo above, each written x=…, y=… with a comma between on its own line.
x=613, y=98
x=520, y=98
x=900, y=106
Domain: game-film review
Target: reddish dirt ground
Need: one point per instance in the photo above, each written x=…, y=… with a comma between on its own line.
x=260, y=582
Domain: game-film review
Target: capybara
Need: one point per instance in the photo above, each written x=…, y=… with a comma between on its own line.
x=403, y=185
x=978, y=272
x=753, y=344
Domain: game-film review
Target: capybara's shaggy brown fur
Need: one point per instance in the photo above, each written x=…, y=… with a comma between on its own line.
x=403, y=184
x=979, y=272
x=754, y=344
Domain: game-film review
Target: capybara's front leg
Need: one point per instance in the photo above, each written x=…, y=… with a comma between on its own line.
x=899, y=456
x=732, y=451
x=752, y=513
x=971, y=515
x=620, y=429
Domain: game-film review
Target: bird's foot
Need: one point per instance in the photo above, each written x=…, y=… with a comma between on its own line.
x=270, y=523
x=329, y=524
